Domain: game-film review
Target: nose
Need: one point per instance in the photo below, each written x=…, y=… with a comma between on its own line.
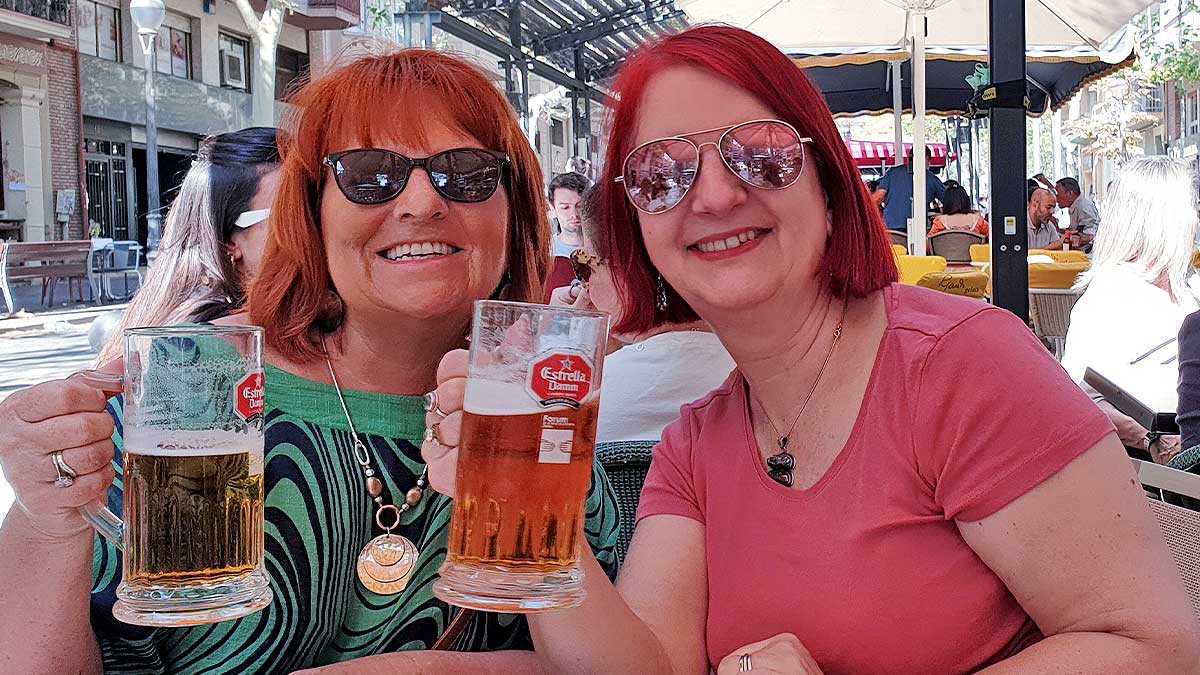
x=716, y=191
x=418, y=200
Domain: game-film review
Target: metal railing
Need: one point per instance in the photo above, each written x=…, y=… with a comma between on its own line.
x=58, y=11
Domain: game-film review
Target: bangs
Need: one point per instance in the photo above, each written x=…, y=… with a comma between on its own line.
x=400, y=101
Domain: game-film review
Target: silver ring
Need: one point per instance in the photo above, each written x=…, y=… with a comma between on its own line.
x=431, y=404
x=66, y=475
x=745, y=665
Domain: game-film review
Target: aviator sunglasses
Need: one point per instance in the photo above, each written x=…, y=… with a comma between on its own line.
x=766, y=154
x=374, y=176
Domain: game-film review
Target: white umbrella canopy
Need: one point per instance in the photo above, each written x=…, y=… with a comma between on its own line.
x=808, y=24
x=804, y=24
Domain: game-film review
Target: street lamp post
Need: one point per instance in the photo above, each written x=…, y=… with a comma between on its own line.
x=147, y=17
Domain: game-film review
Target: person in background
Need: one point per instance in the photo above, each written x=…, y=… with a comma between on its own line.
x=213, y=237
x=1042, y=232
x=895, y=191
x=1085, y=217
x=890, y=517
x=957, y=214
x=653, y=373
x=1188, y=410
x=564, y=193
x=1138, y=292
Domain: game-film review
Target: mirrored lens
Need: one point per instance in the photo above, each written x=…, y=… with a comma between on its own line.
x=764, y=154
x=465, y=175
x=371, y=176
x=659, y=174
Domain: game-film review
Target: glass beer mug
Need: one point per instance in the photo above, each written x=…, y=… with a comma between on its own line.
x=525, y=458
x=192, y=538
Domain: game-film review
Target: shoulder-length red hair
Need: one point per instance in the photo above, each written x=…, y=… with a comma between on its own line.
x=858, y=258
x=373, y=98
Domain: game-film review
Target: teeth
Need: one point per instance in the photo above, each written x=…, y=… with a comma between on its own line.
x=418, y=251
x=730, y=242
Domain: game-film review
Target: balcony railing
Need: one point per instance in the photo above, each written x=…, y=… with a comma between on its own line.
x=58, y=11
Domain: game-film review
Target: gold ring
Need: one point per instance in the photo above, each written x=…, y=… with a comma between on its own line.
x=431, y=405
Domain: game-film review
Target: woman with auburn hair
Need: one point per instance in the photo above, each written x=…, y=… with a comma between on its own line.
x=389, y=223
x=893, y=480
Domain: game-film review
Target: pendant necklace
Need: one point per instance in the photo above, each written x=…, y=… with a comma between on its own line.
x=780, y=466
x=387, y=562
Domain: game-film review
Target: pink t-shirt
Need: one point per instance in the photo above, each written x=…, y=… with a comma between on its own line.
x=965, y=412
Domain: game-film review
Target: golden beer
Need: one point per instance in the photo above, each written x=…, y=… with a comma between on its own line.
x=532, y=524
x=194, y=518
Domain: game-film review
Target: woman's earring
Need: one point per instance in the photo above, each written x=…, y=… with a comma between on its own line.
x=662, y=295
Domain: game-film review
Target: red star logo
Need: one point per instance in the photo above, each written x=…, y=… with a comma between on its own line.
x=568, y=364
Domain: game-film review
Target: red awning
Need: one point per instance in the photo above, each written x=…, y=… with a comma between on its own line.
x=876, y=153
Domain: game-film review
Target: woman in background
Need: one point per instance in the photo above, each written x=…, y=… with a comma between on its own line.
x=957, y=214
x=213, y=237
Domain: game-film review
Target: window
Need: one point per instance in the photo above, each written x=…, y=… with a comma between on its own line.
x=173, y=48
x=558, y=132
x=290, y=66
x=1192, y=114
x=99, y=30
x=235, y=62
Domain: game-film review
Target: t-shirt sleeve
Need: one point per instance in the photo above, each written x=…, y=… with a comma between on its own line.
x=996, y=416
x=885, y=183
x=670, y=487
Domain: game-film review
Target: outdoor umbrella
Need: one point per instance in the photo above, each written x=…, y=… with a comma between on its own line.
x=808, y=24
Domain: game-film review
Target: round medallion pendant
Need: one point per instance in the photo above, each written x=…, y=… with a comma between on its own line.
x=387, y=563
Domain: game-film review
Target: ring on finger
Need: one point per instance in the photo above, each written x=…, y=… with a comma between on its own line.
x=745, y=664
x=431, y=404
x=66, y=475
x=432, y=434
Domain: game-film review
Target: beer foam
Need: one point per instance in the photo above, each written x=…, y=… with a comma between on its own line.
x=165, y=443
x=489, y=397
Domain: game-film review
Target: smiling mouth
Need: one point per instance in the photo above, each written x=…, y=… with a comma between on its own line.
x=731, y=242
x=426, y=250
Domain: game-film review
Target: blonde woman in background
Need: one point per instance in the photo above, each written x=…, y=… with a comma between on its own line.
x=1138, y=291
x=213, y=237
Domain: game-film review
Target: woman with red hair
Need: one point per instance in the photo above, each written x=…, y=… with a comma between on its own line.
x=408, y=192
x=893, y=480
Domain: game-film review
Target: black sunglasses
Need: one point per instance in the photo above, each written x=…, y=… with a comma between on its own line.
x=374, y=176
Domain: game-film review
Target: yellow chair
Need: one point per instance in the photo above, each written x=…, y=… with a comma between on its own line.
x=898, y=250
x=967, y=284
x=1196, y=259
x=1069, y=257
x=981, y=253
x=1055, y=275
x=913, y=267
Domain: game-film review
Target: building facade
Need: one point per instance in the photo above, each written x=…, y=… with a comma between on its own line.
x=203, y=61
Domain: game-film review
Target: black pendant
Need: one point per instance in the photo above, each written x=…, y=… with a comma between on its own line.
x=780, y=466
x=783, y=441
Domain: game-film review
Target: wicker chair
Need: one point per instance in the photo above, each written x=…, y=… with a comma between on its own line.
x=955, y=247
x=626, y=463
x=1050, y=309
x=1173, y=495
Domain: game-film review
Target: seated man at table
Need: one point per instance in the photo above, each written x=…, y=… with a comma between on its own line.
x=1042, y=232
x=1085, y=217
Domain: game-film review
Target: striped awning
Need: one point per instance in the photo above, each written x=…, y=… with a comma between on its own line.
x=877, y=153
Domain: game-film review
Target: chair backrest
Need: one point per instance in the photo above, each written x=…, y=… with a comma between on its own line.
x=955, y=246
x=966, y=284
x=1050, y=310
x=981, y=253
x=1069, y=257
x=626, y=463
x=913, y=267
x=898, y=250
x=126, y=255
x=1180, y=525
x=71, y=250
x=1055, y=275
x=899, y=238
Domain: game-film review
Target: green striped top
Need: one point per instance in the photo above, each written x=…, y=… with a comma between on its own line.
x=318, y=517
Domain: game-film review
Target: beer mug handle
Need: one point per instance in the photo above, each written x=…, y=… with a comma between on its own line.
x=106, y=522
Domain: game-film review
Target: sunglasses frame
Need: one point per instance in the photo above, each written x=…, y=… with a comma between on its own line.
x=415, y=163
x=802, y=140
x=581, y=258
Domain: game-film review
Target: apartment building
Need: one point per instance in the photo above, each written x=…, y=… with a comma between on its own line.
x=202, y=80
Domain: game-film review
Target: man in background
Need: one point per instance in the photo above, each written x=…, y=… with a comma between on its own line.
x=895, y=192
x=564, y=194
x=1042, y=232
x=1085, y=217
